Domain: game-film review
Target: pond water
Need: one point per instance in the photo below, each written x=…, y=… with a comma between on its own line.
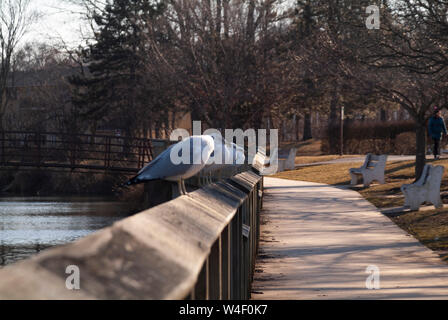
x=32, y=224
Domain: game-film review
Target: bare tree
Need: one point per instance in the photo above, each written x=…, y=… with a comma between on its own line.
x=45, y=104
x=223, y=55
x=15, y=19
x=407, y=60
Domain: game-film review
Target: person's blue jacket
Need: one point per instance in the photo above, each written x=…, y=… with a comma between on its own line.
x=436, y=126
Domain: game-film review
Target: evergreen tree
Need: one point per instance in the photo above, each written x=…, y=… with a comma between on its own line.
x=113, y=89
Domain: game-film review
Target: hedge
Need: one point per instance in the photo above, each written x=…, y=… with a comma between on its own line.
x=395, y=137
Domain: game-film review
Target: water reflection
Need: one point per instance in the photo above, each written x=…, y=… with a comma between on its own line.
x=30, y=225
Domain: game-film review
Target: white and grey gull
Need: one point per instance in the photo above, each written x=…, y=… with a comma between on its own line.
x=165, y=166
x=225, y=154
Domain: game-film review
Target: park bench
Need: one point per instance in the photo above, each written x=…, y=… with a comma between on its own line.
x=288, y=163
x=372, y=170
x=426, y=189
x=260, y=161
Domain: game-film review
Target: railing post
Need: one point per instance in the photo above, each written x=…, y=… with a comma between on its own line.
x=253, y=212
x=107, y=153
x=201, y=290
x=246, y=249
x=150, y=150
x=39, y=153
x=139, y=161
x=251, y=238
x=72, y=148
x=3, y=147
x=226, y=259
x=236, y=256
x=215, y=271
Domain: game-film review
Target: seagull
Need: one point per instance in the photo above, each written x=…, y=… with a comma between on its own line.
x=217, y=159
x=238, y=153
x=224, y=154
x=238, y=156
x=165, y=166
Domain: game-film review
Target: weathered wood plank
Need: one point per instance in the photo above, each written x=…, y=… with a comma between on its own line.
x=156, y=254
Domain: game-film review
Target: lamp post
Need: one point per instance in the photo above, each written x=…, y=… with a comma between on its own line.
x=342, y=132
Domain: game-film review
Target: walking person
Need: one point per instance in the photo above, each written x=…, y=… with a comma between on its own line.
x=436, y=127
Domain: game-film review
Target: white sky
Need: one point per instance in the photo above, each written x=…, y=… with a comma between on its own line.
x=60, y=20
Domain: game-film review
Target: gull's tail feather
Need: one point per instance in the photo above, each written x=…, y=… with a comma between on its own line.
x=138, y=179
x=132, y=181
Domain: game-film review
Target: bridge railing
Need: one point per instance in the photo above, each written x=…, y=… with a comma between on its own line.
x=47, y=149
x=199, y=246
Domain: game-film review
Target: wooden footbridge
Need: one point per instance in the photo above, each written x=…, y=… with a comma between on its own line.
x=20, y=149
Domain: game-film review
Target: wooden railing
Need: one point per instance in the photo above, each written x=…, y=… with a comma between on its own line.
x=199, y=246
x=76, y=151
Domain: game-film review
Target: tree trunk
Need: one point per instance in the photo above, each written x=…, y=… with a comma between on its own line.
x=420, y=159
x=333, y=118
x=218, y=18
x=157, y=130
x=383, y=115
x=297, y=127
x=333, y=123
x=250, y=26
x=226, y=18
x=93, y=129
x=257, y=122
x=307, y=134
x=2, y=106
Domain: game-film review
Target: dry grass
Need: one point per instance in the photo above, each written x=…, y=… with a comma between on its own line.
x=305, y=148
x=429, y=227
x=314, y=159
x=335, y=174
x=310, y=151
x=383, y=196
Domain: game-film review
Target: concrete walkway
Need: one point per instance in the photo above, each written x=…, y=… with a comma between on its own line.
x=318, y=240
x=390, y=158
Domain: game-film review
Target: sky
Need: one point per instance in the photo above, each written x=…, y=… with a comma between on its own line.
x=60, y=20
